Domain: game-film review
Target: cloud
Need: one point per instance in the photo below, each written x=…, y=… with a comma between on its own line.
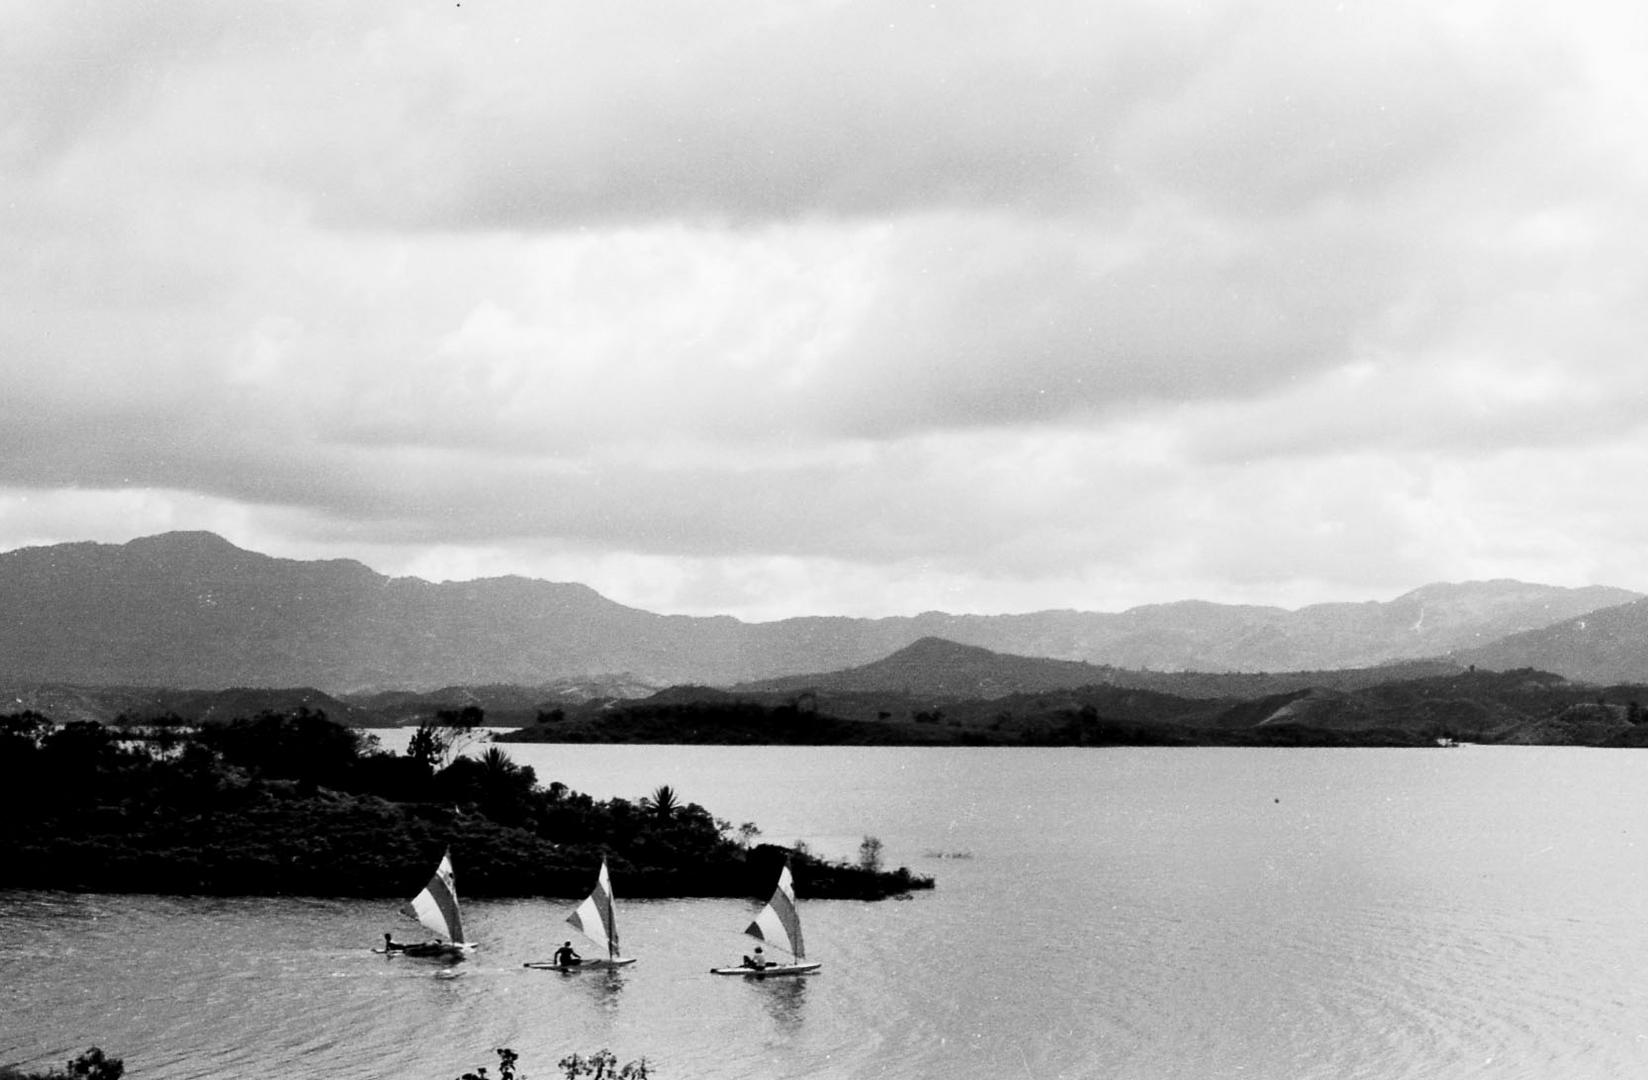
x=506, y=116
x=707, y=112
x=1048, y=305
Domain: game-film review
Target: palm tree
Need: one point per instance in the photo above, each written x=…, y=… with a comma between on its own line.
x=662, y=802
x=497, y=763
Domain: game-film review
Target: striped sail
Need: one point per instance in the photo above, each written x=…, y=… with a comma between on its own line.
x=778, y=923
x=437, y=906
x=594, y=917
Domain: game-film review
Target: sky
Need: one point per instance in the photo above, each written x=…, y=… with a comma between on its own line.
x=828, y=307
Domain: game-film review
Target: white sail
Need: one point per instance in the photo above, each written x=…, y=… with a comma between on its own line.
x=437, y=905
x=594, y=917
x=779, y=923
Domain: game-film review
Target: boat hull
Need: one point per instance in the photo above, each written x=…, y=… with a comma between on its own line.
x=429, y=948
x=768, y=972
x=547, y=965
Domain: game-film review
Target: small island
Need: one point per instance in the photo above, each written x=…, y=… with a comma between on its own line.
x=293, y=803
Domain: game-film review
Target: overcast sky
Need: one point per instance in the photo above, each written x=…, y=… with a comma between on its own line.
x=830, y=307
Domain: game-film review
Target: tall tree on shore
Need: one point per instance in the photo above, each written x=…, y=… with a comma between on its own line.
x=662, y=803
x=443, y=736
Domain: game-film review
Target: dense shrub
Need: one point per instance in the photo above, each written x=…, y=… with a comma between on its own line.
x=300, y=745
x=282, y=804
x=601, y=1065
x=92, y=1065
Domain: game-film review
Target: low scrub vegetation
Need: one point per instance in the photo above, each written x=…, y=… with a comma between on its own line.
x=92, y=1065
x=293, y=803
x=601, y=1065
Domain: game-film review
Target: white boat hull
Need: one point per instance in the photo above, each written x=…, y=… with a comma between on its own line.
x=549, y=965
x=770, y=971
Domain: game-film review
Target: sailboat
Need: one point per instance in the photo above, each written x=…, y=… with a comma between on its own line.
x=779, y=923
x=436, y=907
x=594, y=918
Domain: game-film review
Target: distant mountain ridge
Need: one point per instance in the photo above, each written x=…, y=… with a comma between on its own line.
x=1606, y=645
x=934, y=669
x=190, y=610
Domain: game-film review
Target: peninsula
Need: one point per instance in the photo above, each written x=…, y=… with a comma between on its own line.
x=296, y=804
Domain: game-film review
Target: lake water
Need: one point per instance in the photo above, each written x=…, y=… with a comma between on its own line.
x=1123, y=913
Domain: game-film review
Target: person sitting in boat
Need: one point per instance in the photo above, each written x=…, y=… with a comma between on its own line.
x=566, y=957
x=412, y=948
x=758, y=961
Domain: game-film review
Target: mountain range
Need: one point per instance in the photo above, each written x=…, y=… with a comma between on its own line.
x=191, y=610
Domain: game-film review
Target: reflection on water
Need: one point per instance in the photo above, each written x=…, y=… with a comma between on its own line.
x=602, y=986
x=1137, y=914
x=783, y=997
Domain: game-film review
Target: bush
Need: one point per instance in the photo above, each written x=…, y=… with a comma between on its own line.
x=302, y=745
x=869, y=854
x=92, y=1065
x=289, y=803
x=601, y=1065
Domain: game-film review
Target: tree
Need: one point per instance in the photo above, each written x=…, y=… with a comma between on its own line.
x=166, y=732
x=27, y=728
x=498, y=766
x=80, y=744
x=662, y=803
x=300, y=745
x=443, y=736
x=506, y=1067
x=869, y=855
x=502, y=789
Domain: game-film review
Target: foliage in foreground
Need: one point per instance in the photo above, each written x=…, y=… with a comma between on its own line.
x=601, y=1065
x=92, y=1065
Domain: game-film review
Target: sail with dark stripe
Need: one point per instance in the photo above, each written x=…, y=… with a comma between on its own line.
x=437, y=905
x=778, y=923
x=595, y=918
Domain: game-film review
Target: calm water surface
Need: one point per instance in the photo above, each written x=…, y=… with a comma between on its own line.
x=1127, y=913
